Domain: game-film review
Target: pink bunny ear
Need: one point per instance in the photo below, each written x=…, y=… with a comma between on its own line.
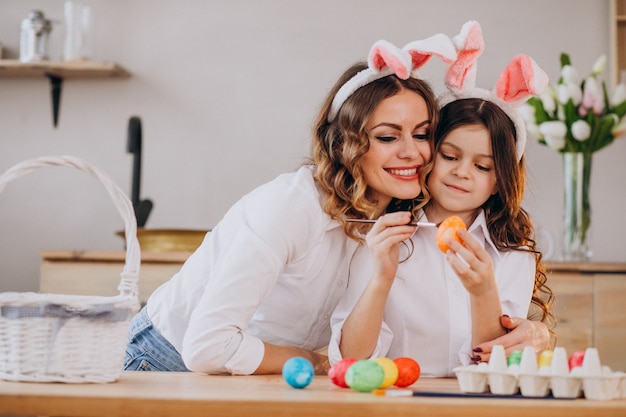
x=422, y=50
x=520, y=80
x=385, y=54
x=469, y=45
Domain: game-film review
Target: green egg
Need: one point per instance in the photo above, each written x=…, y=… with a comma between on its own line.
x=365, y=376
x=515, y=358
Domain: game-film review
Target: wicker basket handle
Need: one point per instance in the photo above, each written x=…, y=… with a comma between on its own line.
x=130, y=274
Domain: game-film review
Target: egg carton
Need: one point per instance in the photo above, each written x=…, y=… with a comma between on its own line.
x=532, y=378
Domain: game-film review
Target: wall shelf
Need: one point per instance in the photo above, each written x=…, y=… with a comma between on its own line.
x=79, y=69
x=56, y=72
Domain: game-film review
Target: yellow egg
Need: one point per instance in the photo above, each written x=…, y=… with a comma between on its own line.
x=391, y=371
x=545, y=358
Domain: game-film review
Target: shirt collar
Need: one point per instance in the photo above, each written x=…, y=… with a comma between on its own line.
x=479, y=228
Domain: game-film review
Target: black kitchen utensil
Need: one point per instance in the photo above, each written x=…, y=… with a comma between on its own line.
x=55, y=91
x=142, y=207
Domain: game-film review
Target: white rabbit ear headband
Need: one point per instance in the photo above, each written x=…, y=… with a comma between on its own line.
x=387, y=59
x=520, y=80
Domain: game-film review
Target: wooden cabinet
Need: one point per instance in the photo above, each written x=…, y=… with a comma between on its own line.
x=589, y=306
x=617, y=27
x=98, y=272
x=589, y=303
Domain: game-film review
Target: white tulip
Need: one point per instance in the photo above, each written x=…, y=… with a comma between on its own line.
x=570, y=75
x=560, y=113
x=554, y=133
x=619, y=95
x=527, y=112
x=547, y=100
x=581, y=130
x=599, y=65
x=567, y=91
x=533, y=130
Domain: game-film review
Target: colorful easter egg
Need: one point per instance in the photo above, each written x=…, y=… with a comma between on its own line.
x=545, y=359
x=391, y=371
x=514, y=358
x=576, y=359
x=448, y=229
x=365, y=375
x=298, y=372
x=337, y=372
x=408, y=371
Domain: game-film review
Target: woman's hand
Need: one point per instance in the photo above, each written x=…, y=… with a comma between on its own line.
x=522, y=333
x=383, y=241
x=360, y=331
x=275, y=357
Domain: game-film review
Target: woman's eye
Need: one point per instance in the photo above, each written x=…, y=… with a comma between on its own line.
x=421, y=136
x=385, y=138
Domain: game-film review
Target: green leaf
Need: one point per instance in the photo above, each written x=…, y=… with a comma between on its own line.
x=607, y=103
x=620, y=109
x=541, y=115
x=565, y=59
x=571, y=114
x=603, y=136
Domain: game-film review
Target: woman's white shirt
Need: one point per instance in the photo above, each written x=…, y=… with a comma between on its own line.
x=427, y=315
x=272, y=270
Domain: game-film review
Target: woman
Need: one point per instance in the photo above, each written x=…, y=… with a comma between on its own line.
x=261, y=287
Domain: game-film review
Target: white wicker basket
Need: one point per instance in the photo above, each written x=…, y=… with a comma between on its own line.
x=70, y=338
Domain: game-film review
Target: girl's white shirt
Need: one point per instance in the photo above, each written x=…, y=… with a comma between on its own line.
x=272, y=270
x=427, y=315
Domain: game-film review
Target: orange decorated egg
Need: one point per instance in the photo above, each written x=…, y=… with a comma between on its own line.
x=408, y=371
x=448, y=229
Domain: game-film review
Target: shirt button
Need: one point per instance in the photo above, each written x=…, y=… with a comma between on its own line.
x=325, y=316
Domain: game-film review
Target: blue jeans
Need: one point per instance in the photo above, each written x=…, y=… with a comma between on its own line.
x=148, y=350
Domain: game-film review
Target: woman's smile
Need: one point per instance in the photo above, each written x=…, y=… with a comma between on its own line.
x=411, y=173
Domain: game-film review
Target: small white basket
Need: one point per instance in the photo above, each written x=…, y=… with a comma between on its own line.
x=70, y=338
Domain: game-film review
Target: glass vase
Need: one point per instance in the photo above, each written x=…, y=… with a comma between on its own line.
x=576, y=206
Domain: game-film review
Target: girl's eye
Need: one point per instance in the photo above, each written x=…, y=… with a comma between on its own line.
x=483, y=168
x=447, y=157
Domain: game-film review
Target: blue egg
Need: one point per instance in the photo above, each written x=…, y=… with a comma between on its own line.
x=298, y=372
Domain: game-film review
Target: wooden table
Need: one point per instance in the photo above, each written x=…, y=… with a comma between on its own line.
x=155, y=394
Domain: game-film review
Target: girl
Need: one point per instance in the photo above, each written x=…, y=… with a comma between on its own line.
x=434, y=307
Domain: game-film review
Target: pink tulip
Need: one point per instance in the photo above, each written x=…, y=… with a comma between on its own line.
x=592, y=97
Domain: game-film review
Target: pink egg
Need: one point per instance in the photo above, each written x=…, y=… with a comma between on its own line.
x=337, y=372
x=576, y=359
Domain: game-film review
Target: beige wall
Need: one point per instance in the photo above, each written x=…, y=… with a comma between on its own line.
x=227, y=91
